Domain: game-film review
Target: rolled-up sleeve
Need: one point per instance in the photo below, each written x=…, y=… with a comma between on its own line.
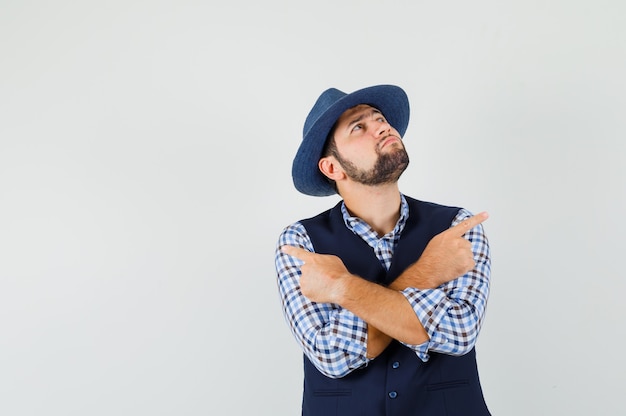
x=332, y=338
x=453, y=313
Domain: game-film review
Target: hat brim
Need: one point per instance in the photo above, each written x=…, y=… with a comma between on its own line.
x=391, y=100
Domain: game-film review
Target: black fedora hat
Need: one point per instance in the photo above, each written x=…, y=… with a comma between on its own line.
x=391, y=100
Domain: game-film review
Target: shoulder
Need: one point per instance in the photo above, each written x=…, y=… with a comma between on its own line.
x=298, y=233
x=292, y=234
x=461, y=215
x=429, y=204
x=429, y=210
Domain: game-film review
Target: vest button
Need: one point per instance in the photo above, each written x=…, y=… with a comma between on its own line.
x=393, y=394
x=395, y=365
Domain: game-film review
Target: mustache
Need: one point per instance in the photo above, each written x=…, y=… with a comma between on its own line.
x=381, y=141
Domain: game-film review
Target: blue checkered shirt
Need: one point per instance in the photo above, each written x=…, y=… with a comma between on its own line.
x=335, y=340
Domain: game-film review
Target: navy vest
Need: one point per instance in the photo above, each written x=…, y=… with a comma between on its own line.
x=397, y=382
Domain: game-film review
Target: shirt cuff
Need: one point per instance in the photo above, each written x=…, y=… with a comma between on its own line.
x=350, y=335
x=429, y=307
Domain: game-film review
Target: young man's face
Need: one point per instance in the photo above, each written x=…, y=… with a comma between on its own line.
x=368, y=148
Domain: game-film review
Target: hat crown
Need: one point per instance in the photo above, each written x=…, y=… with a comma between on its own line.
x=323, y=103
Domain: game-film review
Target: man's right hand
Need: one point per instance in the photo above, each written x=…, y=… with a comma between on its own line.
x=447, y=256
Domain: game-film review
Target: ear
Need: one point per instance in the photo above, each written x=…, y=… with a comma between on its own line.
x=330, y=167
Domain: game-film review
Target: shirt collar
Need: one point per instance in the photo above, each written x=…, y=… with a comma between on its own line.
x=355, y=223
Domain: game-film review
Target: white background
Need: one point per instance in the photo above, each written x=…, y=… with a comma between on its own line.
x=145, y=159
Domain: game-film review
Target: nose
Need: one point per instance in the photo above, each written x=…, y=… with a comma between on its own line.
x=382, y=128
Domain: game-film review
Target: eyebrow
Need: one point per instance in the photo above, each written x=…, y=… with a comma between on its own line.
x=362, y=116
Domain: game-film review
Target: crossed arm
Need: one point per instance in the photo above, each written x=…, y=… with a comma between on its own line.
x=342, y=320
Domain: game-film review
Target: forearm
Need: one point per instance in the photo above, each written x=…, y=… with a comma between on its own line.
x=377, y=341
x=386, y=309
x=453, y=312
x=418, y=276
x=332, y=338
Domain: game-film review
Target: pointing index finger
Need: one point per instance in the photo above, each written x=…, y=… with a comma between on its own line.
x=296, y=252
x=467, y=224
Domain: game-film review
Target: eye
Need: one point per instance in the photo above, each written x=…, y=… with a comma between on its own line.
x=381, y=119
x=357, y=127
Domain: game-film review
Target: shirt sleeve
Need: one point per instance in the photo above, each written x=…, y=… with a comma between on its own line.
x=452, y=314
x=333, y=338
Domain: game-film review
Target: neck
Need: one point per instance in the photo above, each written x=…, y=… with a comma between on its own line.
x=379, y=206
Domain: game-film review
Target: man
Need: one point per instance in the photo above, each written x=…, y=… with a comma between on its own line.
x=384, y=293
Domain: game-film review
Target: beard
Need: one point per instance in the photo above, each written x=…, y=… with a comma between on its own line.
x=388, y=167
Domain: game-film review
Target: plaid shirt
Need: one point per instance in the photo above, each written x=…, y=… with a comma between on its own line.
x=335, y=340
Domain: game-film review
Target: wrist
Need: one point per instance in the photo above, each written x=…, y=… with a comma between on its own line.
x=340, y=292
x=417, y=276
